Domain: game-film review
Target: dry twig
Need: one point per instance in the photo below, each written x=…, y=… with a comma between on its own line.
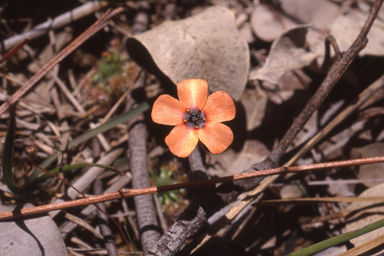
x=125, y=193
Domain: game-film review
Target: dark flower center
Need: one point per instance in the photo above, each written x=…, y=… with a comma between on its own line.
x=194, y=118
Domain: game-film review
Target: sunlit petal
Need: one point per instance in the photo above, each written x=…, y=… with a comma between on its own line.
x=219, y=107
x=216, y=136
x=167, y=110
x=181, y=141
x=193, y=93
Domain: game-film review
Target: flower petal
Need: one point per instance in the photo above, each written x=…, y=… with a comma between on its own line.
x=167, y=110
x=193, y=93
x=181, y=141
x=219, y=107
x=216, y=136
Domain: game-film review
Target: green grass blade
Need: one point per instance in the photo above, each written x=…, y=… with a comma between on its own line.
x=8, y=154
x=105, y=127
x=130, y=240
x=73, y=167
x=337, y=239
x=90, y=134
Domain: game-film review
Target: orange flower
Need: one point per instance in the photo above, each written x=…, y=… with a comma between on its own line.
x=196, y=118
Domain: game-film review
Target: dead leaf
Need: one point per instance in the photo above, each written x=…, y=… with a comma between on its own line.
x=287, y=53
x=315, y=40
x=246, y=33
x=372, y=171
x=230, y=162
x=291, y=191
x=254, y=103
x=31, y=236
x=339, y=189
x=220, y=163
x=206, y=46
x=61, y=40
x=366, y=6
x=319, y=13
x=294, y=80
x=365, y=213
x=346, y=28
x=268, y=23
x=286, y=86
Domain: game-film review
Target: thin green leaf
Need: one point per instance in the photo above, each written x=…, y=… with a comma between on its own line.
x=88, y=135
x=338, y=239
x=77, y=166
x=105, y=127
x=8, y=153
x=130, y=240
x=307, y=196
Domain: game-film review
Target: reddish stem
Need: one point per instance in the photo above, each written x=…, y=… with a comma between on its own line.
x=124, y=193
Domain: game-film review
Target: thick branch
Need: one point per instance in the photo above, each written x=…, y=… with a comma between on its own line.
x=145, y=209
x=146, y=213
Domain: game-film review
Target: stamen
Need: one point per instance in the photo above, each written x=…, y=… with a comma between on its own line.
x=194, y=118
